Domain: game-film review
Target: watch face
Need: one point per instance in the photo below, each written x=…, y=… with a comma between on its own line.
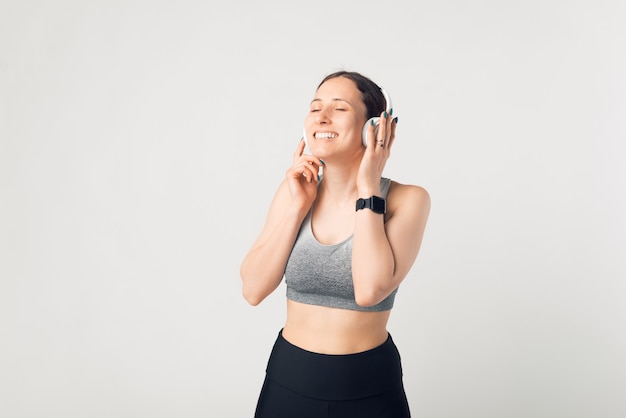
x=378, y=204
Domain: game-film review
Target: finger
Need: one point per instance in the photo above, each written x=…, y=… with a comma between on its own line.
x=382, y=140
x=392, y=135
x=390, y=118
x=299, y=150
x=309, y=174
x=314, y=171
x=308, y=170
x=308, y=159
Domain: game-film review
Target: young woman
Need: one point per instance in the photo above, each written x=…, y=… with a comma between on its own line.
x=344, y=243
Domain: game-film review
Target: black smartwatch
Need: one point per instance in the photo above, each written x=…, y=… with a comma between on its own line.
x=375, y=203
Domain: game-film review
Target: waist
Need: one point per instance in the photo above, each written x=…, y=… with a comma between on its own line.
x=334, y=331
x=335, y=377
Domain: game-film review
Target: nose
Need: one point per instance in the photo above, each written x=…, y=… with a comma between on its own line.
x=323, y=117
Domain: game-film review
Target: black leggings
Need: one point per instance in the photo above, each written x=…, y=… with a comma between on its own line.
x=303, y=384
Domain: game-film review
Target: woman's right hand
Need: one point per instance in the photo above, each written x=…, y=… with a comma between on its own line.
x=302, y=177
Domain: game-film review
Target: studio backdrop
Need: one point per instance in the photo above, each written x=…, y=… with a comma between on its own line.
x=141, y=143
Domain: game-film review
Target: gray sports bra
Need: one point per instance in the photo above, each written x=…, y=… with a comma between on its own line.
x=318, y=274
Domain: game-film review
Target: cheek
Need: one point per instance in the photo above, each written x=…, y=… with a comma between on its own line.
x=357, y=123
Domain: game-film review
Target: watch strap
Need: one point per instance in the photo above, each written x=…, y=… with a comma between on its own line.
x=375, y=203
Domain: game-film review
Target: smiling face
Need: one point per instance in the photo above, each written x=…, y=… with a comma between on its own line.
x=335, y=118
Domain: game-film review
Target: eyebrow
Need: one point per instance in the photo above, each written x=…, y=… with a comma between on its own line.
x=336, y=99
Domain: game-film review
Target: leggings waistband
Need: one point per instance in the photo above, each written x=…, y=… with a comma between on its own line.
x=335, y=376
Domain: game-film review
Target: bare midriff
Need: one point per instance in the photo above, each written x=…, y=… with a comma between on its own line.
x=334, y=331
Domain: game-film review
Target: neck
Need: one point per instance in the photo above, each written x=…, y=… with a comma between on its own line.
x=339, y=179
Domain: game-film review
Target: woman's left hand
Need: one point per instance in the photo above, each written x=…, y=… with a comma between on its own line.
x=376, y=154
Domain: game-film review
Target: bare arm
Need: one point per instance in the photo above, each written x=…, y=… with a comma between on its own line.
x=383, y=253
x=263, y=267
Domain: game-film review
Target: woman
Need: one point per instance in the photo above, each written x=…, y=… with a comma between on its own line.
x=334, y=356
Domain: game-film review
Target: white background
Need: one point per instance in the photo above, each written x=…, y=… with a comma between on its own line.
x=142, y=141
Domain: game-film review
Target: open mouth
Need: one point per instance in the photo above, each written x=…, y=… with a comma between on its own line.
x=325, y=135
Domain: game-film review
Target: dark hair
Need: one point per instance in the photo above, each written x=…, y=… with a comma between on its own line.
x=371, y=94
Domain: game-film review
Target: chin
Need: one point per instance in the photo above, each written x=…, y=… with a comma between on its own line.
x=321, y=154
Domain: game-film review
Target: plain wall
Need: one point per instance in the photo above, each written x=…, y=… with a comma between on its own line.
x=142, y=141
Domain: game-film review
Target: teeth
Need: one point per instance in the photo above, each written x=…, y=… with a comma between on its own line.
x=320, y=135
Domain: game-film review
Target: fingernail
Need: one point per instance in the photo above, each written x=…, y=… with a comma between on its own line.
x=318, y=177
x=372, y=122
x=390, y=111
x=385, y=114
x=322, y=161
x=396, y=119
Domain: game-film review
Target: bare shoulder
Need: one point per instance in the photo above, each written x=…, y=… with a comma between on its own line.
x=402, y=194
x=407, y=198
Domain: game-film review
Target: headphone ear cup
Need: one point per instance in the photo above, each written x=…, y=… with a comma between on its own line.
x=376, y=121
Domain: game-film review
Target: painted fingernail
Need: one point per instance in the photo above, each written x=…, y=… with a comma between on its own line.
x=390, y=111
x=396, y=119
x=322, y=161
x=318, y=177
x=372, y=122
x=385, y=114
